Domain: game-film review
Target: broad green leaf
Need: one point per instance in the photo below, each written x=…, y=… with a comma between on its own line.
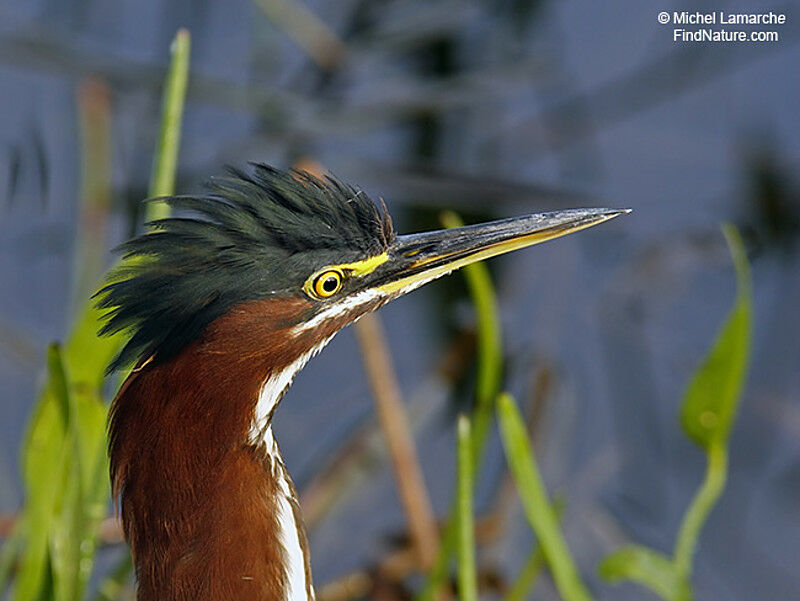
x=86, y=355
x=66, y=488
x=65, y=476
x=85, y=502
x=532, y=493
x=708, y=413
x=467, y=578
x=44, y=461
x=645, y=566
x=65, y=528
x=64, y=464
x=57, y=384
x=712, y=397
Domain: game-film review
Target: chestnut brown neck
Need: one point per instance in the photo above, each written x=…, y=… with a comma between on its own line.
x=200, y=497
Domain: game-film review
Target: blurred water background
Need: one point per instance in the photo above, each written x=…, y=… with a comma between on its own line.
x=491, y=109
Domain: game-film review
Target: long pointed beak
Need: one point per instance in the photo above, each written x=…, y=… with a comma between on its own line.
x=415, y=259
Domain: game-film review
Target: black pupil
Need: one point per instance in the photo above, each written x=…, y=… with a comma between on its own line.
x=329, y=283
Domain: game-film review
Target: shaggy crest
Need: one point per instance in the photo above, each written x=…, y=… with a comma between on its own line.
x=256, y=234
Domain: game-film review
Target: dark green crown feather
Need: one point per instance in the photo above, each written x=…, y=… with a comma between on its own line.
x=256, y=234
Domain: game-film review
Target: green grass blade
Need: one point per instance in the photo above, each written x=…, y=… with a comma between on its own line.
x=440, y=571
x=531, y=490
x=165, y=159
x=527, y=577
x=86, y=354
x=645, y=566
x=489, y=344
x=529, y=573
x=487, y=385
x=467, y=578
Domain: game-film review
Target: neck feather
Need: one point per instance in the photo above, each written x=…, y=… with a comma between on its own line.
x=207, y=505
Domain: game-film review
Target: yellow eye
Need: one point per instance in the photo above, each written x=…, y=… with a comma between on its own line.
x=327, y=283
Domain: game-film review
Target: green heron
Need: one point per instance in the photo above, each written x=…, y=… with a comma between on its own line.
x=223, y=309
